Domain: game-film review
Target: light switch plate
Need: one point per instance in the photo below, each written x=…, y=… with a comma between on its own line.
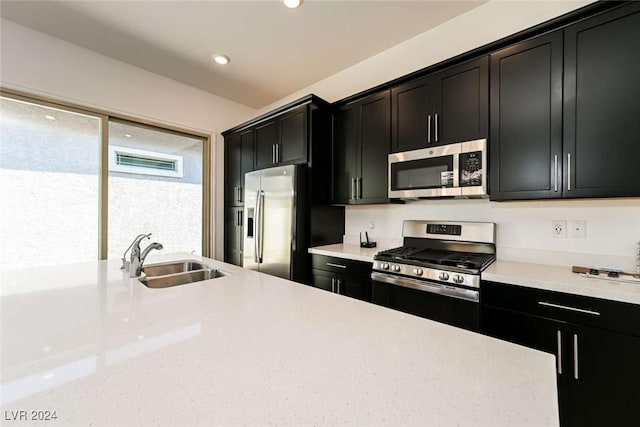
x=577, y=229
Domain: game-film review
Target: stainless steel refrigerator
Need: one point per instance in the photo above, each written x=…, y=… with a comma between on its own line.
x=271, y=201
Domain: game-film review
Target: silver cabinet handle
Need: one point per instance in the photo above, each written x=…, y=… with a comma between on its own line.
x=353, y=188
x=333, y=284
x=559, y=353
x=359, y=188
x=576, y=371
x=273, y=154
x=568, y=171
x=338, y=285
x=330, y=264
x=555, y=173
x=240, y=198
x=429, y=129
x=277, y=153
x=565, y=307
x=435, y=121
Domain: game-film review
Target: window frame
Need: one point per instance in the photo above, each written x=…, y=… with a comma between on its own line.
x=105, y=117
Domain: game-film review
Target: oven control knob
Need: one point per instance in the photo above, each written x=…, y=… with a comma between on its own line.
x=417, y=271
x=458, y=278
x=385, y=265
x=395, y=267
x=443, y=276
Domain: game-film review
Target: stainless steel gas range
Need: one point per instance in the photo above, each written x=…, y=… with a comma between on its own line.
x=436, y=273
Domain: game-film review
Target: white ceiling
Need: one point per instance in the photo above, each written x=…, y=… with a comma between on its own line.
x=274, y=50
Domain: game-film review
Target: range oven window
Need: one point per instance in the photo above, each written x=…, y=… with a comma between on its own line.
x=435, y=172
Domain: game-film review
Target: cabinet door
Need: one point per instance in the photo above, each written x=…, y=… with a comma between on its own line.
x=604, y=382
x=463, y=103
x=232, y=164
x=233, y=226
x=345, y=150
x=534, y=332
x=526, y=120
x=359, y=288
x=375, y=141
x=602, y=105
x=323, y=280
x=266, y=138
x=412, y=120
x=293, y=137
x=247, y=159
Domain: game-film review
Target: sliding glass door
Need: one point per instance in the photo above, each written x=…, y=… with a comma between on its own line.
x=155, y=186
x=49, y=185
x=77, y=186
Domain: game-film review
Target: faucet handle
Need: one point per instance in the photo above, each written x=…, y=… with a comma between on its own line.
x=136, y=241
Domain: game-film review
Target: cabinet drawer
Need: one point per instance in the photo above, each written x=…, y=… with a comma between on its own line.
x=612, y=315
x=348, y=267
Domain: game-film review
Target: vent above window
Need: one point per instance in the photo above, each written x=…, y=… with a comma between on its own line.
x=131, y=160
x=144, y=162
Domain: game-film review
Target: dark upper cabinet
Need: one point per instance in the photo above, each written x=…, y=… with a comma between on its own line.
x=282, y=139
x=292, y=146
x=566, y=125
x=413, y=108
x=441, y=108
x=238, y=161
x=361, y=137
x=345, y=151
x=233, y=237
x=602, y=105
x=526, y=120
x=463, y=101
x=266, y=136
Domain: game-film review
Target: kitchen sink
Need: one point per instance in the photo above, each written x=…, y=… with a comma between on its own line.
x=172, y=268
x=165, y=275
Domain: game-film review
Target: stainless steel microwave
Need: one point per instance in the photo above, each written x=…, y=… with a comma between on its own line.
x=445, y=171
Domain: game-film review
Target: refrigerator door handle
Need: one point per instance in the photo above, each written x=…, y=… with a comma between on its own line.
x=256, y=229
x=260, y=220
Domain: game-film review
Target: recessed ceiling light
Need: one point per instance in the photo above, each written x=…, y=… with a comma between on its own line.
x=49, y=117
x=126, y=135
x=221, y=59
x=292, y=3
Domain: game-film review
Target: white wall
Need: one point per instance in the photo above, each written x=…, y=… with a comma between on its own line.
x=478, y=27
x=39, y=64
x=524, y=228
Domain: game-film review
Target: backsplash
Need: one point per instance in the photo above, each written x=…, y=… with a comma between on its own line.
x=523, y=229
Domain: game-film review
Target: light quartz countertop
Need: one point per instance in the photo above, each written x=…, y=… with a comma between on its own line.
x=539, y=276
x=561, y=279
x=101, y=349
x=347, y=251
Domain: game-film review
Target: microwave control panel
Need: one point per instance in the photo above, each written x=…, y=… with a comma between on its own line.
x=470, y=165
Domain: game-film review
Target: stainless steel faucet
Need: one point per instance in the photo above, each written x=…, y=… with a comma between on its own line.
x=138, y=257
x=126, y=264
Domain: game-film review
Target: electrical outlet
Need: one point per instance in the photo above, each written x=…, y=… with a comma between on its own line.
x=577, y=229
x=559, y=229
x=372, y=224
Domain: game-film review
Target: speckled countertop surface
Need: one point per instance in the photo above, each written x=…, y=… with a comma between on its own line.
x=561, y=279
x=342, y=250
x=101, y=349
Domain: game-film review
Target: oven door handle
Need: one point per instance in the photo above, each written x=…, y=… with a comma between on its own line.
x=427, y=286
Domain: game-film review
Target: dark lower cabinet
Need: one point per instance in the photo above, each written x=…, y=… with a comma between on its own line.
x=596, y=349
x=233, y=235
x=342, y=276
